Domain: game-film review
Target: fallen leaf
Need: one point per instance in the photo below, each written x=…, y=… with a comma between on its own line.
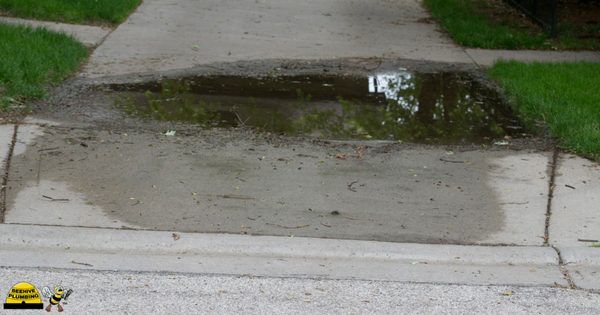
x=341, y=156
x=359, y=151
x=176, y=236
x=508, y=293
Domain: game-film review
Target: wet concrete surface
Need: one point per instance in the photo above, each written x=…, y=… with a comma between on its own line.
x=221, y=183
x=121, y=171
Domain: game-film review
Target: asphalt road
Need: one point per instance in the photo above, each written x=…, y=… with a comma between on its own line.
x=152, y=293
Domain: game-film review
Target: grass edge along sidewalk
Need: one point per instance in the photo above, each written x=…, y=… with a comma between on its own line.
x=483, y=24
x=33, y=58
x=71, y=11
x=563, y=97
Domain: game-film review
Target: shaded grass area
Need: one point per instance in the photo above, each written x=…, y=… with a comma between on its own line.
x=73, y=11
x=469, y=27
x=493, y=25
x=30, y=59
x=564, y=96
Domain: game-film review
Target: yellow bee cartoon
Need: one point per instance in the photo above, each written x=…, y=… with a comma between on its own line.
x=56, y=297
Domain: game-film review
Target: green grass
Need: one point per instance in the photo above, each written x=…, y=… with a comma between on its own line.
x=596, y=245
x=73, y=11
x=470, y=28
x=474, y=23
x=565, y=96
x=30, y=59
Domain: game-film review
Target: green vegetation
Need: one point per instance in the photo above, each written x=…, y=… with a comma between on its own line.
x=596, y=245
x=30, y=59
x=476, y=23
x=73, y=11
x=564, y=96
x=469, y=27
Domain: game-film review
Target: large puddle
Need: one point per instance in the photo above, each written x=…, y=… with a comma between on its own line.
x=415, y=107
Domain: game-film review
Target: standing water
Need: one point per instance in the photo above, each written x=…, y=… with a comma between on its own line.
x=449, y=108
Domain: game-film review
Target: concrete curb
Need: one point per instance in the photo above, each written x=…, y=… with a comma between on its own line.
x=164, y=243
x=580, y=256
x=108, y=249
x=583, y=264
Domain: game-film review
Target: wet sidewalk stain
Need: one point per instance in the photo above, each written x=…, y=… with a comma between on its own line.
x=436, y=108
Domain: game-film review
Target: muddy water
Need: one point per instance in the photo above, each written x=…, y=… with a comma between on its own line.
x=416, y=107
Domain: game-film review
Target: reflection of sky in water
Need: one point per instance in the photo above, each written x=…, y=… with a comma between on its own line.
x=391, y=84
x=401, y=105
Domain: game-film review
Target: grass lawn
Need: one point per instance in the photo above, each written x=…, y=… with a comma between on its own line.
x=493, y=25
x=596, y=245
x=565, y=96
x=30, y=59
x=73, y=11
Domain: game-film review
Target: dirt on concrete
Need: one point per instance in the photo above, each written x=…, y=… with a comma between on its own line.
x=96, y=166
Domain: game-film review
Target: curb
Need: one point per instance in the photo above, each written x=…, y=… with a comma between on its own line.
x=583, y=264
x=580, y=256
x=132, y=250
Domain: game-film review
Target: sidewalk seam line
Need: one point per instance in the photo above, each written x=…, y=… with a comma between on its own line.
x=472, y=59
x=6, y=173
x=551, y=184
x=563, y=269
x=103, y=39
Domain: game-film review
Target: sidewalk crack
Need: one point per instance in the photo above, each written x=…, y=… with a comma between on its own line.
x=551, y=185
x=6, y=173
x=563, y=269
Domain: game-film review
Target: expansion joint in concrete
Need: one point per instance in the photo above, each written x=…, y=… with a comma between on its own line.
x=472, y=59
x=551, y=184
x=564, y=270
x=6, y=174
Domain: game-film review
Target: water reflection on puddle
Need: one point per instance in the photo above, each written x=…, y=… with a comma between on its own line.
x=402, y=105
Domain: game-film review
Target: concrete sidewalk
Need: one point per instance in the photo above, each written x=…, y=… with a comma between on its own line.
x=48, y=186
x=162, y=35
x=79, y=194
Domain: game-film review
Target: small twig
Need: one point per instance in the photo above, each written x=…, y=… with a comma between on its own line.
x=80, y=263
x=235, y=197
x=569, y=186
x=515, y=203
x=48, y=149
x=325, y=225
x=307, y=155
x=350, y=188
x=243, y=123
x=56, y=199
x=587, y=240
x=289, y=227
x=451, y=161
